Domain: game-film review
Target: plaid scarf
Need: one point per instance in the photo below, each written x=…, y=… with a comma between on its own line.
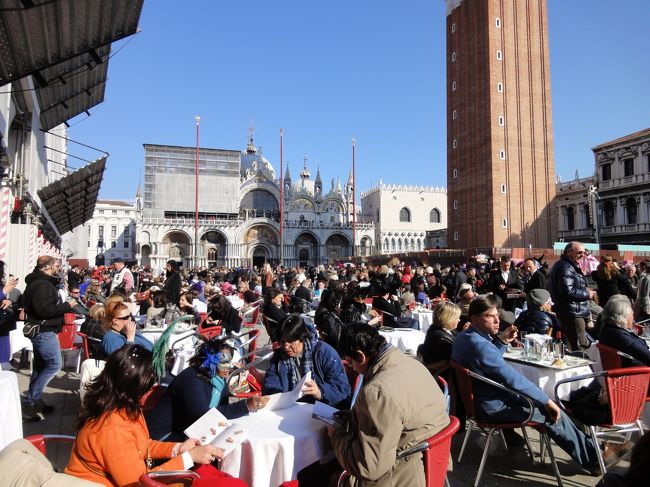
x=296, y=372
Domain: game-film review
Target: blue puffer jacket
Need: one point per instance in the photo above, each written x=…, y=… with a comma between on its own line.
x=568, y=288
x=535, y=321
x=327, y=371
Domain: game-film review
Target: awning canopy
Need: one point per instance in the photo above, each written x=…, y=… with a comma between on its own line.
x=70, y=201
x=60, y=36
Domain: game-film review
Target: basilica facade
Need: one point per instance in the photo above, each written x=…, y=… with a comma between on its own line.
x=239, y=212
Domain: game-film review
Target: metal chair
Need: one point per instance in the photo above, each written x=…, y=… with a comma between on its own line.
x=436, y=451
x=626, y=389
x=255, y=377
x=610, y=358
x=465, y=379
x=67, y=340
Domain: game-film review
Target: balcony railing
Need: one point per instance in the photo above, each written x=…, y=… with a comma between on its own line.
x=576, y=233
x=626, y=228
x=624, y=181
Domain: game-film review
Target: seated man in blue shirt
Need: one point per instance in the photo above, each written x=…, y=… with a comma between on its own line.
x=480, y=349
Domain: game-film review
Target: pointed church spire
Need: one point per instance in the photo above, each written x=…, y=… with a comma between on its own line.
x=338, y=184
x=350, y=178
x=318, y=180
x=304, y=174
x=287, y=176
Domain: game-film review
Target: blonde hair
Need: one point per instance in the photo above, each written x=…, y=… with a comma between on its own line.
x=111, y=309
x=445, y=314
x=97, y=312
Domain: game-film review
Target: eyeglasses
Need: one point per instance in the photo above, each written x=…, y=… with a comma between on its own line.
x=127, y=317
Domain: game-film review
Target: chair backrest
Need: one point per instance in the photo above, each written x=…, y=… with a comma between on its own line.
x=609, y=357
x=444, y=387
x=66, y=336
x=151, y=398
x=211, y=332
x=253, y=336
x=638, y=329
x=465, y=387
x=436, y=457
x=204, y=316
x=627, y=389
x=68, y=318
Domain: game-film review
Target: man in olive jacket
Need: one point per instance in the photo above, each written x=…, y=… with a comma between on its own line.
x=399, y=406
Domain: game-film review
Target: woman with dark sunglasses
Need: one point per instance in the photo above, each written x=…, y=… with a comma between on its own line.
x=121, y=329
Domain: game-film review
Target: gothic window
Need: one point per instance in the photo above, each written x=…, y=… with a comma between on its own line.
x=434, y=216
x=404, y=215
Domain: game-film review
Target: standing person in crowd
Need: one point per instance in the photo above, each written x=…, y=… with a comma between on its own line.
x=122, y=278
x=395, y=386
x=480, y=349
x=642, y=302
x=610, y=281
x=113, y=446
x=267, y=277
x=570, y=295
x=534, y=278
x=173, y=282
x=44, y=307
x=504, y=281
x=120, y=328
x=75, y=277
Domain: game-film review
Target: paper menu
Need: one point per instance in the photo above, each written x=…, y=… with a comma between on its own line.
x=214, y=428
x=324, y=412
x=284, y=400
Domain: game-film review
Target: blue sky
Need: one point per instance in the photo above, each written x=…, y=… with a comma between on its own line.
x=331, y=70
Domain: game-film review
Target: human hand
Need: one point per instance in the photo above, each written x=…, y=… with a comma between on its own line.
x=311, y=389
x=553, y=410
x=522, y=295
x=6, y=303
x=509, y=334
x=187, y=445
x=72, y=302
x=256, y=403
x=205, y=454
x=130, y=331
x=10, y=285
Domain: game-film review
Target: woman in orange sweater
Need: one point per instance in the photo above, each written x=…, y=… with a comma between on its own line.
x=113, y=447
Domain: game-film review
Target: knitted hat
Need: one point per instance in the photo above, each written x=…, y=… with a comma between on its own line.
x=537, y=297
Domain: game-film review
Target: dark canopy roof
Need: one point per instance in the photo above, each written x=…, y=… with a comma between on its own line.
x=70, y=201
x=51, y=39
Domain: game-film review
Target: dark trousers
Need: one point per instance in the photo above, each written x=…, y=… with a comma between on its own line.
x=574, y=330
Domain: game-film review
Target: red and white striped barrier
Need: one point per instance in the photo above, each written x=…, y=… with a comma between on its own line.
x=5, y=199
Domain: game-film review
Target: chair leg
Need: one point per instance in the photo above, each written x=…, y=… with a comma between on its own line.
x=530, y=449
x=547, y=441
x=640, y=426
x=467, y=433
x=447, y=484
x=599, y=454
x=479, y=474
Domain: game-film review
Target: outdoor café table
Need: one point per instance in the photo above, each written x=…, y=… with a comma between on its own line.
x=11, y=421
x=545, y=376
x=153, y=334
x=424, y=318
x=236, y=301
x=279, y=445
x=406, y=339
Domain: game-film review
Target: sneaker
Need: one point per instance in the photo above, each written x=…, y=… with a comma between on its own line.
x=31, y=413
x=44, y=408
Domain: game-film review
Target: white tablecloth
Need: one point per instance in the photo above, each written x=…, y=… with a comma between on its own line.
x=425, y=318
x=279, y=445
x=546, y=378
x=405, y=340
x=11, y=422
x=154, y=334
x=236, y=301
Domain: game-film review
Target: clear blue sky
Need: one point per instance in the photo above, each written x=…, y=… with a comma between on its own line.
x=330, y=71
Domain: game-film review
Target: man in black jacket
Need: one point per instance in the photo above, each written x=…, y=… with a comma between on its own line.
x=570, y=295
x=43, y=305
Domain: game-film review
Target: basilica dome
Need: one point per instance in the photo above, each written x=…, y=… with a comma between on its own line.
x=252, y=162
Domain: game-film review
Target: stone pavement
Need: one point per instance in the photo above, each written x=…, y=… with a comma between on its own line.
x=502, y=469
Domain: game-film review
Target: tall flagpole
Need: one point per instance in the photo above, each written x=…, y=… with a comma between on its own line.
x=354, y=200
x=196, y=196
x=281, y=203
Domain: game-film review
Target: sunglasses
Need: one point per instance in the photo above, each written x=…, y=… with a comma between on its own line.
x=127, y=317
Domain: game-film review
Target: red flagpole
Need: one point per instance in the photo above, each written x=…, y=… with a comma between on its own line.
x=354, y=200
x=196, y=196
x=281, y=203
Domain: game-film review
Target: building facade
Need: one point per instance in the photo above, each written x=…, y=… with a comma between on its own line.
x=623, y=202
x=500, y=167
x=239, y=212
x=574, y=205
x=405, y=218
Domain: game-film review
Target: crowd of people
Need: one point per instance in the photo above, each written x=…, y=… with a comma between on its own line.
x=321, y=320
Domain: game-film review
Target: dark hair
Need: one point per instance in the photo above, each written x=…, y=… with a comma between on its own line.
x=126, y=378
x=173, y=264
x=270, y=293
x=159, y=299
x=483, y=303
x=294, y=328
x=207, y=348
x=331, y=297
x=360, y=337
x=219, y=307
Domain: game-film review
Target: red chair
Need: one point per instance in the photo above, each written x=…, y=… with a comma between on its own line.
x=436, y=455
x=67, y=340
x=610, y=358
x=151, y=398
x=444, y=387
x=626, y=389
x=251, y=342
x=204, y=316
x=251, y=317
x=639, y=329
x=202, y=476
x=41, y=443
x=465, y=378
x=211, y=332
x=268, y=322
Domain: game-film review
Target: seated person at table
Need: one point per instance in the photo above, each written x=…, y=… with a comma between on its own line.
x=186, y=307
x=120, y=328
x=300, y=352
x=196, y=389
x=157, y=304
x=537, y=318
x=327, y=320
x=618, y=331
x=274, y=309
x=113, y=446
x=436, y=349
x=480, y=349
x=389, y=306
x=399, y=406
x=93, y=327
x=420, y=292
x=221, y=310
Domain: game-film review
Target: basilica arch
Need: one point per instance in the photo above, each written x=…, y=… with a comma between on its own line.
x=261, y=241
x=306, y=249
x=212, y=248
x=176, y=246
x=338, y=247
